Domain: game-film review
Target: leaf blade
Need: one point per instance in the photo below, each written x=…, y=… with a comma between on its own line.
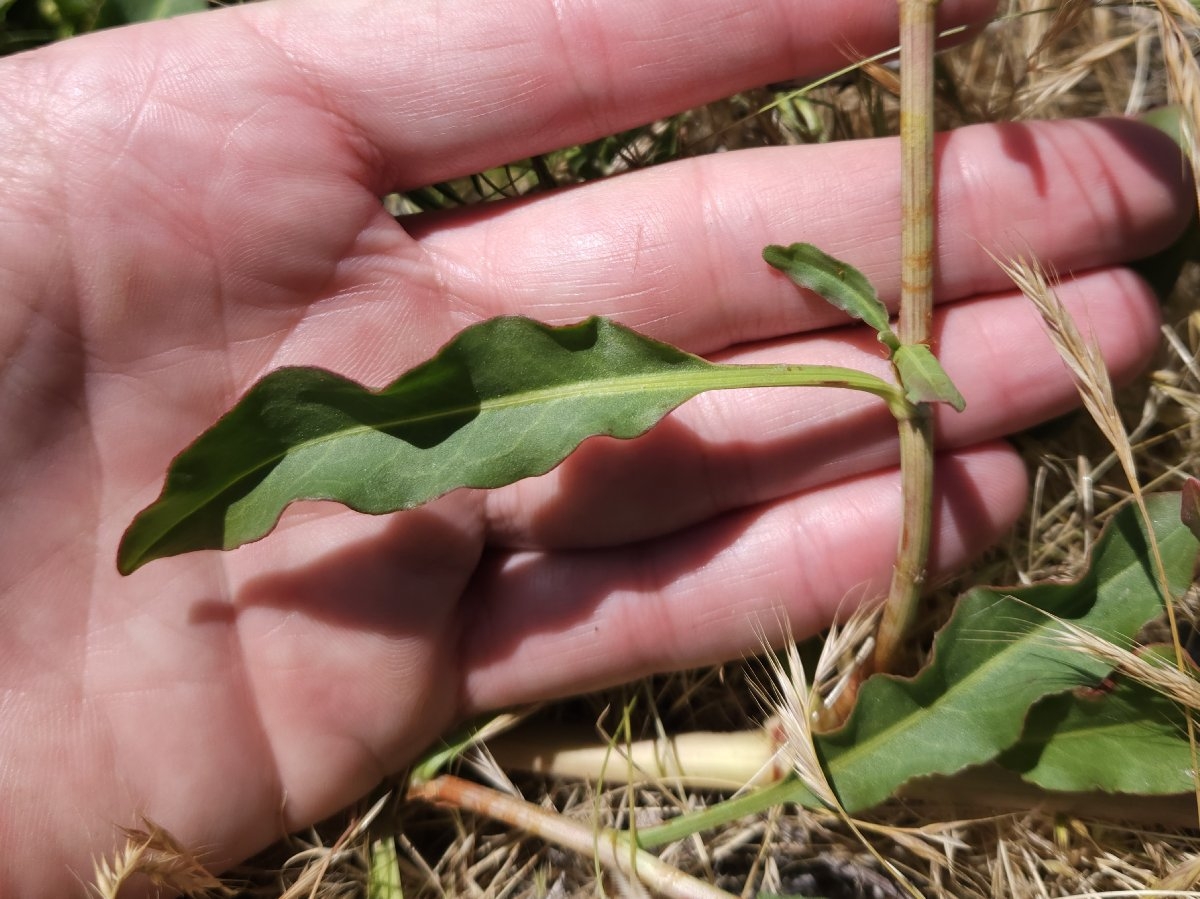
x=923, y=378
x=506, y=399
x=1131, y=740
x=995, y=659
x=836, y=281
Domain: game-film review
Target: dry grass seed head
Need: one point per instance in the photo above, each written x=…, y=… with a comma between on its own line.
x=151, y=852
x=1155, y=672
x=795, y=708
x=1082, y=357
x=1179, y=22
x=318, y=860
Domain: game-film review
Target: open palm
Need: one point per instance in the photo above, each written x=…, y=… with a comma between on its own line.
x=188, y=205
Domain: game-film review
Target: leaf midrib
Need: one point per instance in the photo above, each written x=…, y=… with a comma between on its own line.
x=702, y=376
x=720, y=376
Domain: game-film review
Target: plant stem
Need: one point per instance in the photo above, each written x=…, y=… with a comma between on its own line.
x=608, y=847
x=730, y=760
x=917, y=36
x=741, y=806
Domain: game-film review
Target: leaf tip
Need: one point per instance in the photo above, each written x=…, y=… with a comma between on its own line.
x=130, y=555
x=776, y=256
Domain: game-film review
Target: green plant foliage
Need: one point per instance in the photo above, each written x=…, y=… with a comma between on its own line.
x=64, y=17
x=383, y=881
x=838, y=282
x=996, y=657
x=841, y=284
x=28, y=23
x=1130, y=739
x=122, y=12
x=506, y=399
x=923, y=378
x=636, y=148
x=1162, y=270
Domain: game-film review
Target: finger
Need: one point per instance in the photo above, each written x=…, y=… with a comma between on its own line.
x=234, y=141
x=543, y=625
x=439, y=89
x=677, y=250
x=729, y=450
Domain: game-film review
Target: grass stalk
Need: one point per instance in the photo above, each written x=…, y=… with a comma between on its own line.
x=917, y=37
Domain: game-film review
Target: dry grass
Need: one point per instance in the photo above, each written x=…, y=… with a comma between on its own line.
x=151, y=855
x=1083, y=59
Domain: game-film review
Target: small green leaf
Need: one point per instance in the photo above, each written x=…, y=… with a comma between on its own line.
x=384, y=881
x=506, y=399
x=838, y=282
x=923, y=378
x=1129, y=740
x=996, y=657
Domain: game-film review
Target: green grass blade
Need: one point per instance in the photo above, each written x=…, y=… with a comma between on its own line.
x=383, y=880
x=506, y=399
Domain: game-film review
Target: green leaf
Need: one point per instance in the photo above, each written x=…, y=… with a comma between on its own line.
x=124, y=12
x=506, y=399
x=1130, y=740
x=1162, y=270
x=69, y=17
x=998, y=656
x=994, y=660
x=384, y=880
x=923, y=378
x=838, y=282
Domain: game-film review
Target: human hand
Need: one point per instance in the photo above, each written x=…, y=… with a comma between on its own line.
x=188, y=205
